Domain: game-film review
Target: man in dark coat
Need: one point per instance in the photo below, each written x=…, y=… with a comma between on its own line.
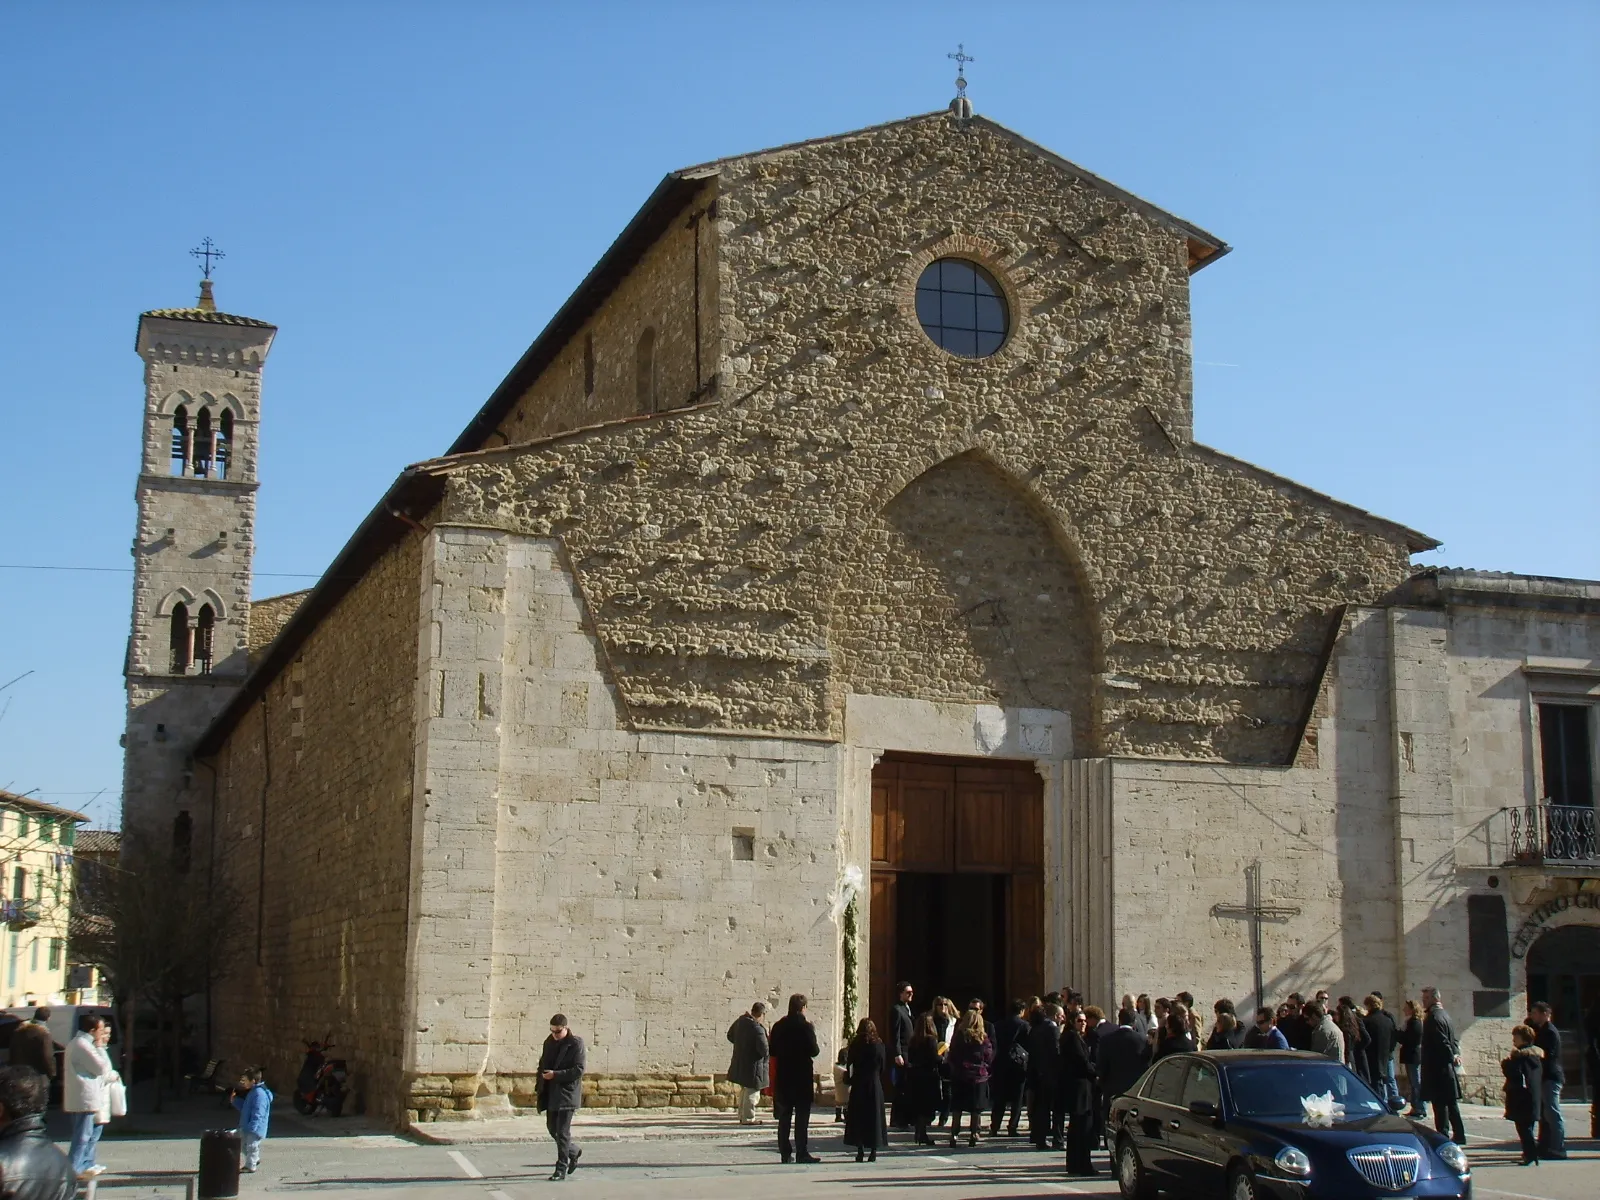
x=1441, y=1060
x=1077, y=1093
x=1294, y=1026
x=1121, y=1058
x=1044, y=1077
x=31, y=1168
x=561, y=1065
x=748, y=1067
x=901, y=1027
x=1552, y=1129
x=1381, y=1038
x=794, y=1045
x=32, y=1045
x=1010, y=1069
x=1237, y=1034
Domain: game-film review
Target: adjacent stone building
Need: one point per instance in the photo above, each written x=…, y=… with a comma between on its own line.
x=836, y=581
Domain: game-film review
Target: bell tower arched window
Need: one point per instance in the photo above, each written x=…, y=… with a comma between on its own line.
x=224, y=443
x=180, y=640
x=180, y=440
x=204, y=626
x=204, y=443
x=645, y=371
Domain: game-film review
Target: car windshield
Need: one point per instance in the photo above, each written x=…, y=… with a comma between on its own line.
x=1275, y=1089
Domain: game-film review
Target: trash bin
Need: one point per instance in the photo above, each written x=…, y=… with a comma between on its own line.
x=219, y=1164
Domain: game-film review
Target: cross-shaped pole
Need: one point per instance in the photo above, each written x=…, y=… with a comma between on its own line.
x=1254, y=911
x=962, y=59
x=205, y=252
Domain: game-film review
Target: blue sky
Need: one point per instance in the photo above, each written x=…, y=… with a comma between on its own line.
x=1408, y=320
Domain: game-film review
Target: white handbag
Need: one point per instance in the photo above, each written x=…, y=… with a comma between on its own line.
x=117, y=1097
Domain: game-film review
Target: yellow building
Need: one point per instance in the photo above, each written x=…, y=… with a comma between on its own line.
x=36, y=848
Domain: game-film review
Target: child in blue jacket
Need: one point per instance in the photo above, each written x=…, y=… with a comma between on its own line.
x=253, y=1099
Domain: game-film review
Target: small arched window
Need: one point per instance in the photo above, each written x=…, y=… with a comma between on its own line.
x=180, y=640
x=224, y=443
x=645, y=371
x=204, y=626
x=204, y=443
x=180, y=440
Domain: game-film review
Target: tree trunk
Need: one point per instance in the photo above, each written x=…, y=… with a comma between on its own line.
x=126, y=1016
x=177, y=1046
x=161, y=1033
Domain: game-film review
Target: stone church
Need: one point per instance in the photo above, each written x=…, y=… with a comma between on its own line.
x=835, y=592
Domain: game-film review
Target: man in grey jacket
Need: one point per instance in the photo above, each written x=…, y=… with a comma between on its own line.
x=561, y=1091
x=1327, y=1039
x=748, y=1067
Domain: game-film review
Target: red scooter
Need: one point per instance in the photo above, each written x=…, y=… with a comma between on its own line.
x=322, y=1080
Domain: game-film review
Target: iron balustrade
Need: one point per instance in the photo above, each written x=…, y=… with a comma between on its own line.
x=1554, y=833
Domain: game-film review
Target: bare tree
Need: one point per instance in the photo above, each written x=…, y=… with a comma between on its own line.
x=160, y=932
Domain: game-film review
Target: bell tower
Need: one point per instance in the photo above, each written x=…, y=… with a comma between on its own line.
x=189, y=647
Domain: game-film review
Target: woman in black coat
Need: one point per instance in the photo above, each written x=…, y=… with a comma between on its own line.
x=922, y=1083
x=1175, y=1037
x=1411, y=1059
x=1524, y=1072
x=864, y=1126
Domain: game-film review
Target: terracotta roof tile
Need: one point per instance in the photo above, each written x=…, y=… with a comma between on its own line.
x=207, y=315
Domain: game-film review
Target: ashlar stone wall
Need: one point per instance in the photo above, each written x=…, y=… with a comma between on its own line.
x=314, y=840
x=1181, y=837
x=713, y=543
x=650, y=886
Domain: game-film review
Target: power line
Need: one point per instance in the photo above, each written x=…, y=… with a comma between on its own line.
x=164, y=571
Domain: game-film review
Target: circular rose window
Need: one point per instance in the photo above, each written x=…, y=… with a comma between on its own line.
x=962, y=308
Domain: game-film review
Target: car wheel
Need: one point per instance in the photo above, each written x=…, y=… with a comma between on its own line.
x=1241, y=1185
x=1132, y=1179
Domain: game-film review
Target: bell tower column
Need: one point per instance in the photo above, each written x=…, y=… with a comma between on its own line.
x=189, y=647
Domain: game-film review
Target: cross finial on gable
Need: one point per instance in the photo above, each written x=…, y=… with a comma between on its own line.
x=962, y=58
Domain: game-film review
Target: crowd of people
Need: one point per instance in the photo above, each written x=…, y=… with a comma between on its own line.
x=965, y=1073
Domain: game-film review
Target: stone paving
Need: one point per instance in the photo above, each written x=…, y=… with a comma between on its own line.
x=671, y=1155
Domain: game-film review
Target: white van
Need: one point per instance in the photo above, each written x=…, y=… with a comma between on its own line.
x=63, y=1023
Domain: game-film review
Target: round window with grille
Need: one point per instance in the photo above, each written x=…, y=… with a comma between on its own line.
x=962, y=308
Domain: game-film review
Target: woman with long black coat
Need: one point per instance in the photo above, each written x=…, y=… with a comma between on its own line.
x=864, y=1126
x=1524, y=1072
x=921, y=1078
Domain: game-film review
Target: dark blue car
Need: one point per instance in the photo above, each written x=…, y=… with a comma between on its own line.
x=1231, y=1123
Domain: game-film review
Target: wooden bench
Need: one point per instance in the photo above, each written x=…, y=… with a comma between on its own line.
x=188, y=1180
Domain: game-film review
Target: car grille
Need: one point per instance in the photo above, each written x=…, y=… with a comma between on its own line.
x=1388, y=1167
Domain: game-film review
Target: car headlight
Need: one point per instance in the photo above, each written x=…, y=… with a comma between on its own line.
x=1291, y=1160
x=1454, y=1157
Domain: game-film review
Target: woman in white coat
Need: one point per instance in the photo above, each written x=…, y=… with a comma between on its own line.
x=86, y=1092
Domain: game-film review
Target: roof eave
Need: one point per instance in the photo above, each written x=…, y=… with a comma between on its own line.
x=415, y=491
x=670, y=197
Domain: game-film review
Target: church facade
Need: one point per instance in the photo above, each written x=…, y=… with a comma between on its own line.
x=835, y=592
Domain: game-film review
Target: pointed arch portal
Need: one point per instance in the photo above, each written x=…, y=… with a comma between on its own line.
x=960, y=590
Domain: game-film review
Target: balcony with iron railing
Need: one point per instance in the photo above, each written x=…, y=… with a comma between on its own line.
x=19, y=914
x=1553, y=836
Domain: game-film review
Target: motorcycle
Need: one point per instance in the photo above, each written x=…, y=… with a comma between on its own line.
x=321, y=1082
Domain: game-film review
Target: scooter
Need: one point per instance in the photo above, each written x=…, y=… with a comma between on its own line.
x=321, y=1082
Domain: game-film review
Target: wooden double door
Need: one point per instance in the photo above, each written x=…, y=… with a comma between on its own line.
x=957, y=881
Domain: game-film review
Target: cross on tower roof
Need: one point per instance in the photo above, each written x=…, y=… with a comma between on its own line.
x=205, y=252
x=962, y=59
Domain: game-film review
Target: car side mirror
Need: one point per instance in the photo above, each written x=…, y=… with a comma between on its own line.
x=1204, y=1109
